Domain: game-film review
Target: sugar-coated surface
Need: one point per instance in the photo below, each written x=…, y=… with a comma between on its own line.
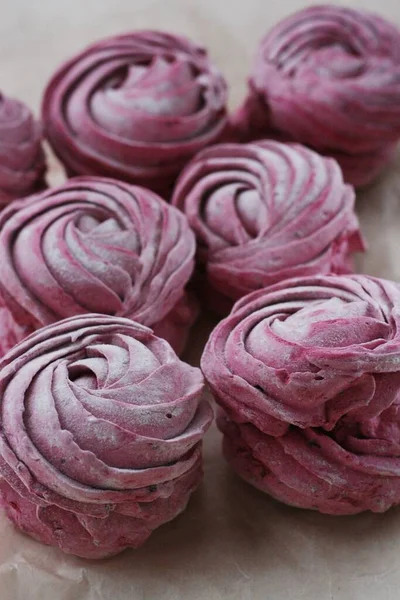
x=136, y=107
x=328, y=76
x=264, y=212
x=96, y=245
x=233, y=541
x=308, y=375
x=101, y=427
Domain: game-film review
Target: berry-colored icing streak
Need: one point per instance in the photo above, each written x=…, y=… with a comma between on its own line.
x=308, y=375
x=101, y=427
x=136, y=107
x=264, y=212
x=329, y=77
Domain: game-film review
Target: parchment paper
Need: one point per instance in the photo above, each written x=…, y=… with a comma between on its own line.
x=233, y=542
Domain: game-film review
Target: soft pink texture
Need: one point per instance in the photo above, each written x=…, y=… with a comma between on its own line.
x=329, y=77
x=136, y=107
x=264, y=212
x=308, y=375
x=22, y=162
x=96, y=245
x=100, y=434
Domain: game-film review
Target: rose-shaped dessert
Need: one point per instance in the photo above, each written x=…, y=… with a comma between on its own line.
x=101, y=427
x=22, y=163
x=328, y=77
x=307, y=373
x=97, y=245
x=136, y=107
x=264, y=212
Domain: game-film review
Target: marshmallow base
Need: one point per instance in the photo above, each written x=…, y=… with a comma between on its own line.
x=289, y=468
x=128, y=525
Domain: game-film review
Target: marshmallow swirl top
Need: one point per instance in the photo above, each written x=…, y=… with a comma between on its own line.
x=98, y=391
x=329, y=77
x=93, y=245
x=307, y=352
x=136, y=107
x=266, y=211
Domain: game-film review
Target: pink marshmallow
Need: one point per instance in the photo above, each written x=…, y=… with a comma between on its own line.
x=135, y=107
x=328, y=77
x=307, y=373
x=101, y=431
x=22, y=161
x=95, y=245
x=264, y=212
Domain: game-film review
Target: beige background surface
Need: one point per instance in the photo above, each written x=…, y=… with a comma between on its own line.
x=233, y=542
